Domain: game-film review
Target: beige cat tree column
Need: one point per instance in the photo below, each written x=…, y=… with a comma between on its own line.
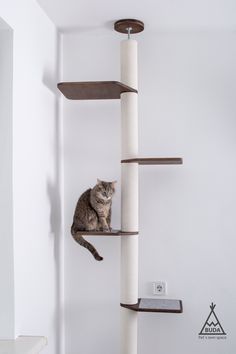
x=126, y=91
x=129, y=190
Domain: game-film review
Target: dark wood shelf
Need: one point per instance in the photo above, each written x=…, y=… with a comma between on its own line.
x=93, y=90
x=156, y=305
x=110, y=233
x=155, y=160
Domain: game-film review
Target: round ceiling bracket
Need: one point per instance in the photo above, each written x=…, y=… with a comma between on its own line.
x=123, y=26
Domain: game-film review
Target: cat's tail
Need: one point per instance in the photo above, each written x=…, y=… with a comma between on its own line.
x=79, y=238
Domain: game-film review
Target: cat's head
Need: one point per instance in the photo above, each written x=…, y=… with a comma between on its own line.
x=105, y=190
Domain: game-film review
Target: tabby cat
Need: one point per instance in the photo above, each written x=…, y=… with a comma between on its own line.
x=93, y=213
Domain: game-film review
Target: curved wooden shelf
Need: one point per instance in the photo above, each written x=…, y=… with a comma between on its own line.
x=110, y=233
x=93, y=90
x=155, y=160
x=156, y=305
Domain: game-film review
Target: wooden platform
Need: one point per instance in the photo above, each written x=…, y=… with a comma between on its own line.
x=155, y=160
x=156, y=305
x=93, y=90
x=110, y=233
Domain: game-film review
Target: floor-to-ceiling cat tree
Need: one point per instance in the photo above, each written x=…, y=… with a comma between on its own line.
x=126, y=91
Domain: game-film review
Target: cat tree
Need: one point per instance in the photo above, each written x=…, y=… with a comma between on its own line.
x=126, y=91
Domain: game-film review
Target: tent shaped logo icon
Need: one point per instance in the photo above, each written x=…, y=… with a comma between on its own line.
x=212, y=326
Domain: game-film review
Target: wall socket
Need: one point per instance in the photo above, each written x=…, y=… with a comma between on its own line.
x=159, y=288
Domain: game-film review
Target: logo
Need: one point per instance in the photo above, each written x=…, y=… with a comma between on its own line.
x=212, y=328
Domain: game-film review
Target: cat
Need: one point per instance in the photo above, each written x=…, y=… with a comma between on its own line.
x=93, y=213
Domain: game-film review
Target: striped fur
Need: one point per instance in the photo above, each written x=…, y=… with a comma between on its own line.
x=93, y=213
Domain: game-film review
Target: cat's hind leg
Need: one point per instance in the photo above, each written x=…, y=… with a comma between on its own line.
x=92, y=222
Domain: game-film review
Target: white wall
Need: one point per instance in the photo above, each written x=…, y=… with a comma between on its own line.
x=6, y=205
x=36, y=191
x=187, y=84
x=92, y=149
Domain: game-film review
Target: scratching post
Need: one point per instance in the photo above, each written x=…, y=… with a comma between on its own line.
x=129, y=196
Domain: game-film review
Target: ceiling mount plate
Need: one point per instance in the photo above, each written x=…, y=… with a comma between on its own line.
x=135, y=26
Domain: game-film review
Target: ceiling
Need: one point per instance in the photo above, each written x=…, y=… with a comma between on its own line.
x=157, y=14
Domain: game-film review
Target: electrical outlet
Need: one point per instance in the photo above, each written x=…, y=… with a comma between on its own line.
x=159, y=288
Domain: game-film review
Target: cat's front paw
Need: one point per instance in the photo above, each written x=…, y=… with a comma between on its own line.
x=105, y=229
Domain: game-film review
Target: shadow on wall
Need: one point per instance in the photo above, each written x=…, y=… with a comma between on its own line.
x=50, y=80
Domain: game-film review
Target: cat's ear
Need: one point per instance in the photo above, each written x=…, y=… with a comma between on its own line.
x=113, y=183
x=99, y=181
